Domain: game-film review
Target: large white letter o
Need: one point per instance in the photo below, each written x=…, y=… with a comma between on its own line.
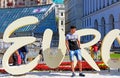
x=106, y=46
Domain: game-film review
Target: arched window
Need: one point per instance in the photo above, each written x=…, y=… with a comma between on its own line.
x=111, y=27
x=111, y=22
x=103, y=28
x=96, y=24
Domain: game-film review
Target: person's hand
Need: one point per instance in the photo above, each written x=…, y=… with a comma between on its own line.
x=68, y=50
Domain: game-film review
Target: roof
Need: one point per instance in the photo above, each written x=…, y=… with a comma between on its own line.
x=48, y=23
x=8, y=15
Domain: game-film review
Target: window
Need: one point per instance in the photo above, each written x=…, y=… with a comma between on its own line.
x=31, y=3
x=112, y=1
x=61, y=22
x=61, y=13
x=107, y=2
x=57, y=6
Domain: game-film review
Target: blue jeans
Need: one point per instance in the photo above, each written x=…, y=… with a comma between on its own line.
x=76, y=53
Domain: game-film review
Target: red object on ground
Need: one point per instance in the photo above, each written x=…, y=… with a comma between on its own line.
x=64, y=66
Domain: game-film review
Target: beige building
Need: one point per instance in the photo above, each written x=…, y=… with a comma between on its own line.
x=22, y=3
x=60, y=15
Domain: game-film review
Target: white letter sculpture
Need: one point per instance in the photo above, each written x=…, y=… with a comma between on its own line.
x=106, y=46
x=17, y=43
x=54, y=61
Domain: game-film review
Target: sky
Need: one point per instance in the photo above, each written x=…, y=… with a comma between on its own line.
x=58, y=1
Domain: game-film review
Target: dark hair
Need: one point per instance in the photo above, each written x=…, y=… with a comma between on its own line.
x=72, y=27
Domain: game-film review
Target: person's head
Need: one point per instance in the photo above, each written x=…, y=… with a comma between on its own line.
x=100, y=42
x=72, y=29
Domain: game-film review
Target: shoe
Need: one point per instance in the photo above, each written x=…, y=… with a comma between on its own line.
x=81, y=74
x=73, y=75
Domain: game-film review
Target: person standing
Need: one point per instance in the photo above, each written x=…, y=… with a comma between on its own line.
x=73, y=47
x=23, y=53
x=99, y=50
x=16, y=58
x=95, y=50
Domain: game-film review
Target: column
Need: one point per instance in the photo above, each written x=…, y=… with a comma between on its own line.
x=1, y=3
x=95, y=5
x=86, y=1
x=84, y=8
x=101, y=4
x=106, y=2
x=13, y=3
x=92, y=5
x=98, y=4
x=110, y=2
x=89, y=6
x=5, y=4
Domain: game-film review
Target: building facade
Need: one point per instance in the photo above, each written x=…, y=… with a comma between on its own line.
x=60, y=9
x=22, y=3
x=60, y=15
x=74, y=13
x=55, y=5
x=103, y=15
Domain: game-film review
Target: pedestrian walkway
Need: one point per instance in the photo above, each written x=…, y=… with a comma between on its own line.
x=66, y=74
